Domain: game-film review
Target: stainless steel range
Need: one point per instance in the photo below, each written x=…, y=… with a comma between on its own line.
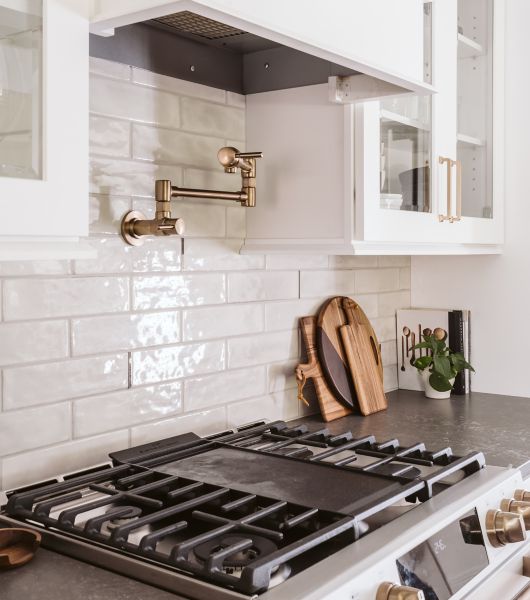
x=276, y=512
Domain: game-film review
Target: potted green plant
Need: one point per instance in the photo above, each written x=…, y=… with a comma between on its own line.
x=439, y=367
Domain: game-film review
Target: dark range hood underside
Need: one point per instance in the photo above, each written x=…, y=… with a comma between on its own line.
x=187, y=46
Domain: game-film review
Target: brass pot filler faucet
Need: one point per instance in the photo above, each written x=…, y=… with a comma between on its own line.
x=135, y=226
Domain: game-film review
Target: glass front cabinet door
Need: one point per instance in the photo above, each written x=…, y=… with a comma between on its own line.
x=43, y=126
x=428, y=169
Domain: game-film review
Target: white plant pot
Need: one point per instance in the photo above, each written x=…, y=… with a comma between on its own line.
x=430, y=392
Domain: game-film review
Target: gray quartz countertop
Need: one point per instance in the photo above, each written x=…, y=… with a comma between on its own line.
x=496, y=425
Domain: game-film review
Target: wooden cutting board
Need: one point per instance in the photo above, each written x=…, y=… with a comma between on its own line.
x=329, y=407
x=363, y=367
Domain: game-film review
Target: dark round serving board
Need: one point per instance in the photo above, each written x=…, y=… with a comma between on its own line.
x=335, y=313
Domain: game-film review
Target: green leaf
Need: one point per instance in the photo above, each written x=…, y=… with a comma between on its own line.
x=439, y=382
x=442, y=365
x=422, y=345
x=423, y=362
x=459, y=362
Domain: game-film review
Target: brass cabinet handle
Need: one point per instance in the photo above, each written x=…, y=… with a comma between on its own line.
x=458, y=217
x=442, y=160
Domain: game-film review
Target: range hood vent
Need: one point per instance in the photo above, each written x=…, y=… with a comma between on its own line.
x=188, y=22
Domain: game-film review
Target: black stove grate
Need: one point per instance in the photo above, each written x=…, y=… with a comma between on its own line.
x=229, y=534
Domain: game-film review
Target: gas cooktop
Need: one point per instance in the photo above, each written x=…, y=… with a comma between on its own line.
x=239, y=512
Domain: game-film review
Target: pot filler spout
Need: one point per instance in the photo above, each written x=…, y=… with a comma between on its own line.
x=135, y=225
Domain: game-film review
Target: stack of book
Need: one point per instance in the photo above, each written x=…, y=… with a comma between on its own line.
x=411, y=324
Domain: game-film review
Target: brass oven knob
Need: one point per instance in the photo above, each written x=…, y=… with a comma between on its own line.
x=391, y=591
x=522, y=495
x=521, y=507
x=504, y=528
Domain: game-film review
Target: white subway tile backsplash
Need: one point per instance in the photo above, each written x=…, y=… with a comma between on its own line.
x=221, y=388
x=203, y=323
x=262, y=348
x=27, y=268
x=272, y=285
x=176, y=147
x=178, y=334
x=376, y=280
x=218, y=255
x=129, y=178
x=282, y=405
x=44, y=298
x=212, y=119
x=106, y=212
x=297, y=261
x=135, y=102
x=23, y=430
x=174, y=362
x=64, y=458
x=177, y=86
x=110, y=137
x=171, y=291
x=285, y=315
x=204, y=422
x=123, y=409
x=108, y=68
x=92, y=335
x=27, y=342
x=52, y=382
x=319, y=284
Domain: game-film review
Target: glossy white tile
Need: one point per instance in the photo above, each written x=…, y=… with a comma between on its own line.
x=135, y=102
x=234, y=99
x=63, y=458
x=218, y=255
x=352, y=262
x=204, y=422
x=176, y=147
x=27, y=268
x=109, y=137
x=126, y=408
x=52, y=382
x=93, y=335
x=216, y=322
x=157, y=254
x=376, y=280
x=285, y=315
x=26, y=342
x=236, y=223
x=394, y=261
x=106, y=212
x=280, y=375
x=23, y=430
x=173, y=291
x=297, y=261
x=177, y=86
x=230, y=386
x=404, y=278
x=279, y=406
x=319, y=284
x=213, y=119
x=385, y=328
x=113, y=256
x=174, y=362
x=58, y=297
x=262, y=348
x=265, y=285
x=390, y=302
x=108, y=68
x=110, y=176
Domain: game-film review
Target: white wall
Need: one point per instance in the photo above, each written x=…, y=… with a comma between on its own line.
x=144, y=343
x=496, y=289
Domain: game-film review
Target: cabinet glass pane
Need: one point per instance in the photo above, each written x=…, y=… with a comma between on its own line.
x=21, y=89
x=475, y=94
x=406, y=153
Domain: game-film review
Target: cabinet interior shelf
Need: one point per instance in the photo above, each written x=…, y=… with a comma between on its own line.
x=387, y=115
x=469, y=140
x=467, y=48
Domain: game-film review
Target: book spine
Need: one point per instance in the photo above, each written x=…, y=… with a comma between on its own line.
x=456, y=344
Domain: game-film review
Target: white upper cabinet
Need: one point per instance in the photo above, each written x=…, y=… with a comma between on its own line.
x=43, y=128
x=409, y=174
x=380, y=38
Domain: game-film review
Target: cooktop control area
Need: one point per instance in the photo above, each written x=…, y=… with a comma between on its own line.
x=441, y=565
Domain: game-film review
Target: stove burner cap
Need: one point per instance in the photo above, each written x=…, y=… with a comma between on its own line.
x=260, y=547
